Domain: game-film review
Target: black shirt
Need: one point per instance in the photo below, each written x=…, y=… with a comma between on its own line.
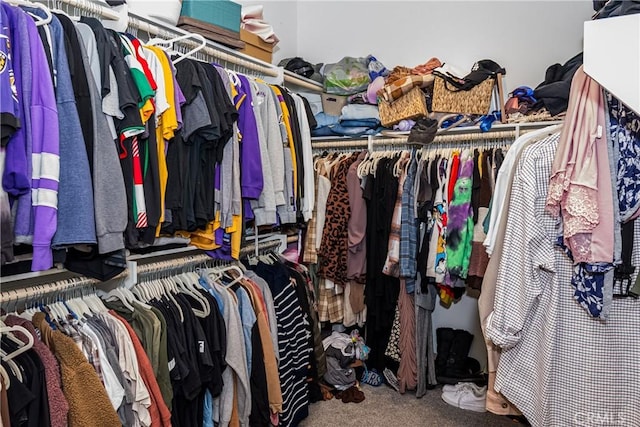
x=79, y=83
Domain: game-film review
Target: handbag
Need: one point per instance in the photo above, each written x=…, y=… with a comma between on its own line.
x=448, y=99
x=409, y=106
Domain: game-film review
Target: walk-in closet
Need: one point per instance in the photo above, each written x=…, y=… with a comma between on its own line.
x=280, y=213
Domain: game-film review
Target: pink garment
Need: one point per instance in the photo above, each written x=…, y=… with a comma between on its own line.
x=58, y=405
x=253, y=21
x=357, y=226
x=580, y=187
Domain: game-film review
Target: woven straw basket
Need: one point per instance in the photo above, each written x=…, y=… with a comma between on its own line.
x=474, y=101
x=409, y=106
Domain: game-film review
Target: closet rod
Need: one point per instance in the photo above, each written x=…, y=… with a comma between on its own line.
x=360, y=143
x=174, y=263
x=78, y=282
x=22, y=294
x=302, y=82
x=44, y=279
x=158, y=28
x=103, y=12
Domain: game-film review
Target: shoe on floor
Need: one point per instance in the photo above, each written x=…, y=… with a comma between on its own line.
x=466, y=398
x=473, y=386
x=391, y=378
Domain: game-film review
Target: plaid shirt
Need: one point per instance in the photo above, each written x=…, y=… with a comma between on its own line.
x=73, y=329
x=310, y=252
x=409, y=228
x=330, y=303
x=391, y=265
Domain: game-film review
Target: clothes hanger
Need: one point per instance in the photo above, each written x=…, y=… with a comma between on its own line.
x=190, y=284
x=24, y=346
x=17, y=372
x=169, y=44
x=39, y=20
x=173, y=300
x=119, y=294
x=5, y=378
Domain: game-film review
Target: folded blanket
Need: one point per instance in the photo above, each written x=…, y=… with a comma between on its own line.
x=359, y=111
x=392, y=91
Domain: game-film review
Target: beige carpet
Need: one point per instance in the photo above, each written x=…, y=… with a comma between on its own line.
x=383, y=406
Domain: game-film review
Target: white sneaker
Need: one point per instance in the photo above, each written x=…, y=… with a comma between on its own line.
x=466, y=398
x=473, y=386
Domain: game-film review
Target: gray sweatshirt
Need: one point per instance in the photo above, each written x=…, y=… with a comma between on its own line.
x=109, y=194
x=264, y=209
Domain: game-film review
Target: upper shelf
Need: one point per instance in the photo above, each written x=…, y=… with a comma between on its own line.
x=612, y=56
x=497, y=130
x=224, y=54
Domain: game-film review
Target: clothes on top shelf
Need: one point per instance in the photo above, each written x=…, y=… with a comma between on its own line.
x=355, y=120
x=190, y=349
x=108, y=143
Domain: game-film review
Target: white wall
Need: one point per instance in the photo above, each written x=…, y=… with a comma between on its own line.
x=283, y=16
x=525, y=37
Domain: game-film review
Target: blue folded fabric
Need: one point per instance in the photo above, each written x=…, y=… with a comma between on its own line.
x=370, y=123
x=322, y=131
x=326, y=120
x=338, y=130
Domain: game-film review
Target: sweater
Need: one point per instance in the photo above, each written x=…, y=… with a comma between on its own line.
x=76, y=220
x=36, y=216
x=110, y=196
x=89, y=404
x=16, y=178
x=275, y=143
x=250, y=156
x=58, y=406
x=264, y=209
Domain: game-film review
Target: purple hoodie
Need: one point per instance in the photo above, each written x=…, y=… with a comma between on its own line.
x=250, y=162
x=43, y=133
x=16, y=179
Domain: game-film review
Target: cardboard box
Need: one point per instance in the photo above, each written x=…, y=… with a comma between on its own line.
x=223, y=13
x=211, y=32
x=332, y=104
x=256, y=47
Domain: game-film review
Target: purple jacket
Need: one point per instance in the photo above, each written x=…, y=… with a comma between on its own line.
x=250, y=162
x=42, y=131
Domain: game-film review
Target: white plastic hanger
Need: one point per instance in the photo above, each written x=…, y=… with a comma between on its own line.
x=6, y=382
x=168, y=44
x=24, y=346
x=119, y=294
x=185, y=283
x=39, y=20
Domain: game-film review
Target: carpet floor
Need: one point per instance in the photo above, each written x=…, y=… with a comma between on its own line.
x=383, y=406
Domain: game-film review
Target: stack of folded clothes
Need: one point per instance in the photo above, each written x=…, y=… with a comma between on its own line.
x=356, y=120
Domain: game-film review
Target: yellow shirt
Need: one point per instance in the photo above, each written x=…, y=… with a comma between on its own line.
x=165, y=128
x=286, y=117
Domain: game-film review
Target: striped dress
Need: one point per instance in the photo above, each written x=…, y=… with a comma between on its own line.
x=293, y=347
